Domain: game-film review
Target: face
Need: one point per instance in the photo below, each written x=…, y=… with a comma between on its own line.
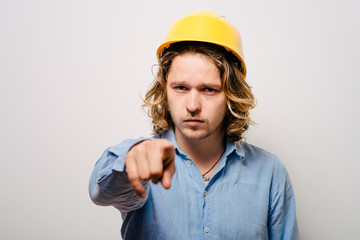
x=196, y=101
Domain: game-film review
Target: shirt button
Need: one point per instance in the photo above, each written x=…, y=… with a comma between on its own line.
x=189, y=162
x=205, y=193
x=206, y=229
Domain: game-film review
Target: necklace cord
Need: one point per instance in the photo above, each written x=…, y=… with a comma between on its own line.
x=203, y=175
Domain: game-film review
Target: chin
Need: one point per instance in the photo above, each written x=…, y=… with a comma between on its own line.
x=196, y=134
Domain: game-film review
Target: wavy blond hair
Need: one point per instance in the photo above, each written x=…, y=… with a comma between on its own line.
x=239, y=97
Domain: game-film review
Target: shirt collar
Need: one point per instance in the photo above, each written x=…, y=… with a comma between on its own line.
x=231, y=147
x=236, y=148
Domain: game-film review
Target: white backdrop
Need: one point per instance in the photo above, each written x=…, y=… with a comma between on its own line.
x=72, y=73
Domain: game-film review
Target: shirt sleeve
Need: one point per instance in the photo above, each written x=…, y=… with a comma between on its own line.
x=282, y=224
x=109, y=184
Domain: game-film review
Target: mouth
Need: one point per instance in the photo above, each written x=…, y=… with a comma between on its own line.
x=193, y=121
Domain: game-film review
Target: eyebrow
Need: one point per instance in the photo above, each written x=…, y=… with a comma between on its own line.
x=206, y=85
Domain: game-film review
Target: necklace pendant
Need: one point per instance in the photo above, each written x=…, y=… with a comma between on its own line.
x=206, y=179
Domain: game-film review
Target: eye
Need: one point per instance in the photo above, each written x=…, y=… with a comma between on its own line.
x=210, y=91
x=180, y=88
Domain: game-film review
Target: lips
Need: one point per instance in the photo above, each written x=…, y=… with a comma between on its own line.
x=193, y=121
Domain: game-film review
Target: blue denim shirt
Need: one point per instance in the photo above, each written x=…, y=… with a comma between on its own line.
x=248, y=197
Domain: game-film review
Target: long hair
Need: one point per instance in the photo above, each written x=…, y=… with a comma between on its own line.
x=239, y=97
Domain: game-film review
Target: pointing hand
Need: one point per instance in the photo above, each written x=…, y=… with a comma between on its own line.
x=150, y=160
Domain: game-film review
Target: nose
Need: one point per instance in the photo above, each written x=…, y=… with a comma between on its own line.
x=193, y=104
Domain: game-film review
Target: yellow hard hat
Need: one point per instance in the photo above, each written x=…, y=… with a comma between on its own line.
x=205, y=26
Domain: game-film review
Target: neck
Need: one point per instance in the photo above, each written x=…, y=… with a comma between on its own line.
x=203, y=152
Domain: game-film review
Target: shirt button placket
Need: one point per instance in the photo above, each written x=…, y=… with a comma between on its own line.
x=206, y=228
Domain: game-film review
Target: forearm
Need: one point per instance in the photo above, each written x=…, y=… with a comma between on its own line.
x=109, y=183
x=115, y=190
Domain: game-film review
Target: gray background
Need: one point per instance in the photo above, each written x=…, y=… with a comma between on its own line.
x=72, y=73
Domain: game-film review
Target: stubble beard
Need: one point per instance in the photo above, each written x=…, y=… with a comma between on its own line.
x=201, y=134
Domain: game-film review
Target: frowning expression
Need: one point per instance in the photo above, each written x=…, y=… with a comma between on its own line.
x=196, y=101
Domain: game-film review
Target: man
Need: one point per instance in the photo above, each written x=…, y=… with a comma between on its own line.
x=196, y=178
